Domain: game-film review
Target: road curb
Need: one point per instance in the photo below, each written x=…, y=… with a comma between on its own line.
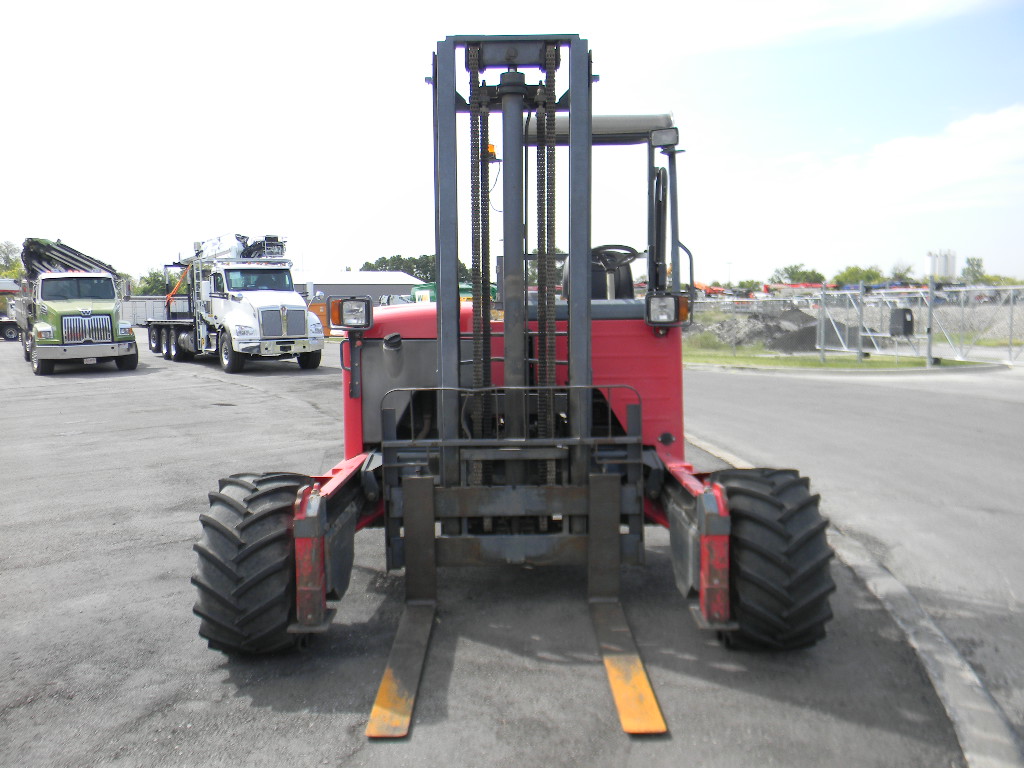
x=986, y=737
x=938, y=369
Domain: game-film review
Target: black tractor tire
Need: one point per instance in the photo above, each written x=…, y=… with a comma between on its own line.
x=25, y=346
x=10, y=333
x=230, y=360
x=246, y=570
x=165, y=342
x=154, y=340
x=779, y=574
x=40, y=367
x=127, y=362
x=309, y=360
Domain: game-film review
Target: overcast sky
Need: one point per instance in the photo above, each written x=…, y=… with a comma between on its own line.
x=824, y=133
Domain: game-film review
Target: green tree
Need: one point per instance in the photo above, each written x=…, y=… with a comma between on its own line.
x=855, y=275
x=10, y=260
x=796, y=273
x=974, y=271
x=903, y=272
x=1001, y=280
x=422, y=267
x=750, y=285
x=151, y=284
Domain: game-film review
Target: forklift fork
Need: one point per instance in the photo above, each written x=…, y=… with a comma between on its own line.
x=634, y=697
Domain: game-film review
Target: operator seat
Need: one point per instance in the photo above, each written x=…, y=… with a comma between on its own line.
x=605, y=260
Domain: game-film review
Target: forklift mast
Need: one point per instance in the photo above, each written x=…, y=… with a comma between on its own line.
x=532, y=113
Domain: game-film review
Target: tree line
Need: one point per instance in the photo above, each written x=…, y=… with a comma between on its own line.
x=973, y=273
x=424, y=267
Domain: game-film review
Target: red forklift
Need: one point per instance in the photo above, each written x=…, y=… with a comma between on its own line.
x=540, y=425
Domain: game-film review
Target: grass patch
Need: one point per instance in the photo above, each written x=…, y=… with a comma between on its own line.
x=757, y=357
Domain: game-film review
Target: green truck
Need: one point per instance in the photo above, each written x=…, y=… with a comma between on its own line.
x=69, y=309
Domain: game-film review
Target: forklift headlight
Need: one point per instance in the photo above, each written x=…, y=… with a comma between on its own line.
x=354, y=313
x=665, y=309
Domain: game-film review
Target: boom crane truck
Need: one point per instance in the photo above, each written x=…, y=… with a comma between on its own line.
x=241, y=304
x=69, y=309
x=520, y=431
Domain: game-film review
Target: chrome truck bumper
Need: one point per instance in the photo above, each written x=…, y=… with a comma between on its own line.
x=277, y=347
x=84, y=351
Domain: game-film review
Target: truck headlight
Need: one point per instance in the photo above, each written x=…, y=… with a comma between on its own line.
x=353, y=313
x=244, y=330
x=316, y=328
x=125, y=329
x=44, y=333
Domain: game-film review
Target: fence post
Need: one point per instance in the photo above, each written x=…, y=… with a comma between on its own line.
x=860, y=322
x=931, y=304
x=821, y=325
x=1009, y=341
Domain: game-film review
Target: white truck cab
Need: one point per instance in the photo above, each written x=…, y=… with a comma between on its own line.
x=242, y=304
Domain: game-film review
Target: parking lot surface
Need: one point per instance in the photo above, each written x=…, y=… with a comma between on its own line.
x=104, y=476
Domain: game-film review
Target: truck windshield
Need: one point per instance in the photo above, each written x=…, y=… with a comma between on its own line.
x=259, y=280
x=58, y=288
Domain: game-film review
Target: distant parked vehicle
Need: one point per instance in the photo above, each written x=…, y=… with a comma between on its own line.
x=9, y=328
x=394, y=298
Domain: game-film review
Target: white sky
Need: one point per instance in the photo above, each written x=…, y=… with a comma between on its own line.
x=825, y=133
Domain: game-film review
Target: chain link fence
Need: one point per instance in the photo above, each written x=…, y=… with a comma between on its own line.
x=979, y=324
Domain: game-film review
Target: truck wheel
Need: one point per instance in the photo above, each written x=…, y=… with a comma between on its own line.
x=127, y=362
x=165, y=342
x=25, y=346
x=177, y=353
x=154, y=339
x=246, y=570
x=309, y=360
x=10, y=333
x=40, y=367
x=779, y=560
x=230, y=361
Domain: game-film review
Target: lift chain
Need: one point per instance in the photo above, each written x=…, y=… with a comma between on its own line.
x=481, y=254
x=545, y=253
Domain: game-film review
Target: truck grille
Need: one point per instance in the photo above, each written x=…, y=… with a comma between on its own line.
x=283, y=322
x=78, y=329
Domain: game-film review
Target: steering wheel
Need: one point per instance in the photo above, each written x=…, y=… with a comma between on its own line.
x=611, y=257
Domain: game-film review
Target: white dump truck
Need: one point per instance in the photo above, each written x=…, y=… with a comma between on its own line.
x=240, y=303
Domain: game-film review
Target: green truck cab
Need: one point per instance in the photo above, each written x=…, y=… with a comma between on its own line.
x=69, y=310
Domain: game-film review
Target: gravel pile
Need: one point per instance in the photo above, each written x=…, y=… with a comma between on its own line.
x=792, y=331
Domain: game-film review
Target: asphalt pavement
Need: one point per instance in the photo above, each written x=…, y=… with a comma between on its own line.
x=104, y=476
x=921, y=469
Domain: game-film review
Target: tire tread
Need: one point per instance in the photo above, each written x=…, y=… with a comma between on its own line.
x=780, y=577
x=245, y=572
